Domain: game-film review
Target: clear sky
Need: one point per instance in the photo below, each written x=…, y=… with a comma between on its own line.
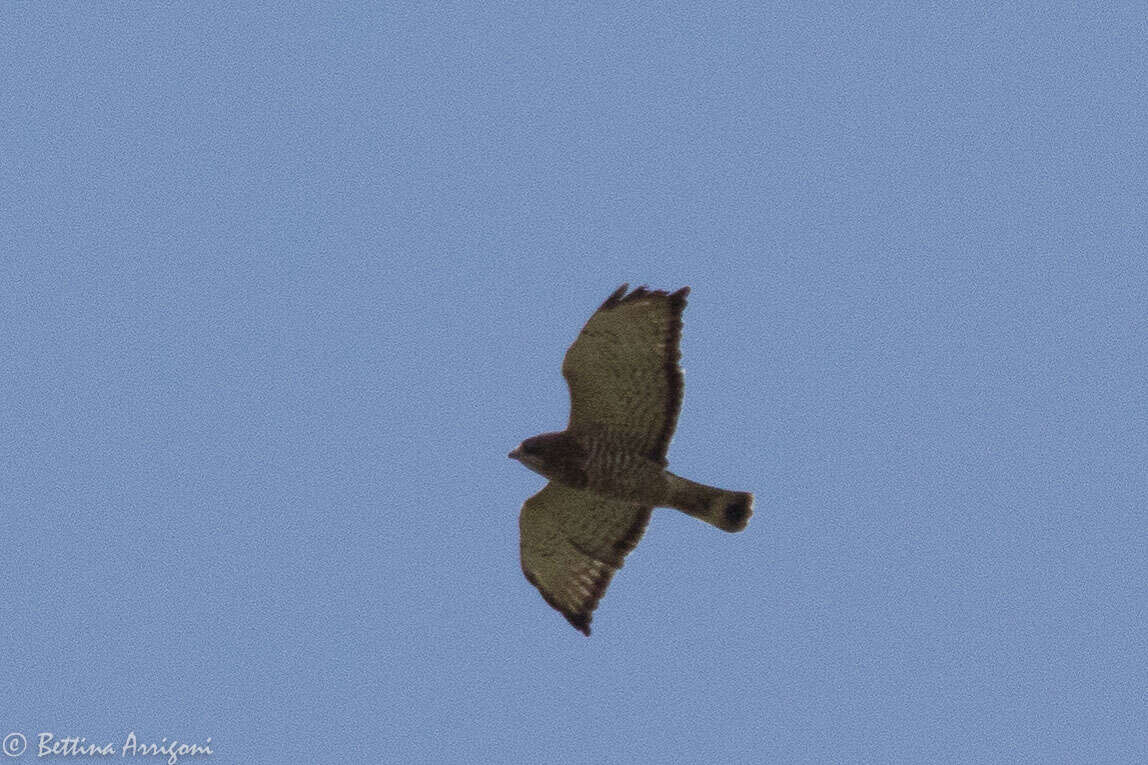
x=280, y=288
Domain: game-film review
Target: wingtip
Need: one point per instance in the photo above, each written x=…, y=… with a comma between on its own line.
x=619, y=296
x=580, y=622
x=615, y=297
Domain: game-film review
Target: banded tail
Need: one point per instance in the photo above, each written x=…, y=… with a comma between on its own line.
x=728, y=510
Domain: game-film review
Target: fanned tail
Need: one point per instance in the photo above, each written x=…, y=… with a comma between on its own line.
x=728, y=510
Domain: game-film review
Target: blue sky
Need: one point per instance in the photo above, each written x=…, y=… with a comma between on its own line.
x=280, y=287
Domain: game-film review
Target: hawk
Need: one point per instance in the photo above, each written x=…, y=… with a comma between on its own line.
x=607, y=470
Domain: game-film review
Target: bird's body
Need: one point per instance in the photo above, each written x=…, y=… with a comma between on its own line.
x=598, y=461
x=607, y=470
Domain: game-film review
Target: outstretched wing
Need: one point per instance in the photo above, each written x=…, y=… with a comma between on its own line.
x=572, y=543
x=623, y=369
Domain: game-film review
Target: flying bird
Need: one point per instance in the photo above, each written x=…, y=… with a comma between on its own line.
x=607, y=470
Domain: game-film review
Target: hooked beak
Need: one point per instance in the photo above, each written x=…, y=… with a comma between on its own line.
x=516, y=454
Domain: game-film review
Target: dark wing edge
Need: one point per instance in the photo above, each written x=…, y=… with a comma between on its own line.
x=671, y=369
x=619, y=296
x=584, y=584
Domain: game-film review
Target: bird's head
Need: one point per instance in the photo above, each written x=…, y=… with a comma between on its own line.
x=553, y=455
x=531, y=452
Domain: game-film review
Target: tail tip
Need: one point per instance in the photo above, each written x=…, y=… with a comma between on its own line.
x=737, y=512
